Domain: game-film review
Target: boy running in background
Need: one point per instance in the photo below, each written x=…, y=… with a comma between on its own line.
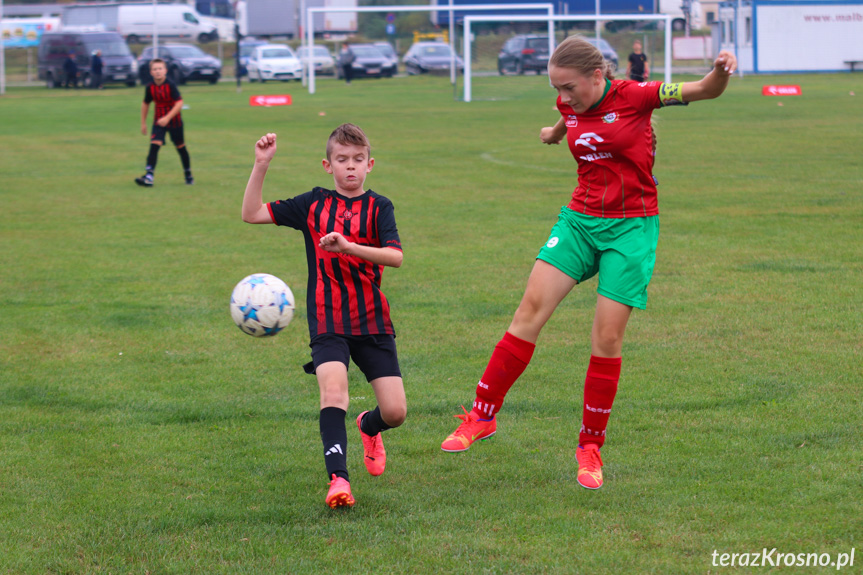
x=350, y=237
x=167, y=119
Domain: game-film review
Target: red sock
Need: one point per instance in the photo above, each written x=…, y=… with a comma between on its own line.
x=509, y=360
x=600, y=387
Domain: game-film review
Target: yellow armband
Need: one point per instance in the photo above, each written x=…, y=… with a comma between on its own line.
x=671, y=94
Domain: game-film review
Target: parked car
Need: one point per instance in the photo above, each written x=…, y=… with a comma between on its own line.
x=522, y=53
x=247, y=46
x=184, y=62
x=323, y=61
x=274, y=62
x=424, y=57
x=118, y=63
x=369, y=62
x=387, y=49
x=607, y=51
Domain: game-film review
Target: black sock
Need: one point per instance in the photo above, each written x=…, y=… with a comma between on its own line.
x=184, y=157
x=372, y=423
x=152, y=157
x=335, y=439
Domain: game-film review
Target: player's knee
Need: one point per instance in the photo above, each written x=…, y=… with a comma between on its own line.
x=395, y=416
x=157, y=143
x=609, y=340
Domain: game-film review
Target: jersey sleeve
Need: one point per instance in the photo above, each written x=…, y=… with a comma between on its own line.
x=387, y=230
x=643, y=96
x=148, y=97
x=292, y=213
x=175, y=92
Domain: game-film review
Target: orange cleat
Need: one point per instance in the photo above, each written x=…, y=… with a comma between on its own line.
x=374, y=454
x=589, y=466
x=339, y=494
x=472, y=429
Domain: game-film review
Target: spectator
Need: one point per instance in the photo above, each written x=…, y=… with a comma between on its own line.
x=637, y=68
x=96, y=70
x=70, y=68
x=346, y=61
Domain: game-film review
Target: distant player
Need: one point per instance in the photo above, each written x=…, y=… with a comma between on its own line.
x=166, y=119
x=637, y=68
x=350, y=236
x=610, y=229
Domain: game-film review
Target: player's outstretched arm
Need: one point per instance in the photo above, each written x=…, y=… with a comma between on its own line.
x=254, y=209
x=714, y=83
x=337, y=243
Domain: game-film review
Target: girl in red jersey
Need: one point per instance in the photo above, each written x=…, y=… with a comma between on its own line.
x=609, y=229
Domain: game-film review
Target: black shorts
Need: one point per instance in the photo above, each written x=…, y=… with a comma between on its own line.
x=158, y=134
x=375, y=355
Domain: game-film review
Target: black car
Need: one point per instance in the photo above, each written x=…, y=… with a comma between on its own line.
x=425, y=57
x=522, y=53
x=118, y=64
x=369, y=62
x=184, y=62
x=607, y=51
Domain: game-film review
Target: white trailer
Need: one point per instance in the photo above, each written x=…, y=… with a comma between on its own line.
x=136, y=22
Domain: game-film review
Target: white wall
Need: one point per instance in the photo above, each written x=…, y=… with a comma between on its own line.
x=810, y=37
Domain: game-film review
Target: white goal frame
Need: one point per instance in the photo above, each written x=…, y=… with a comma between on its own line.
x=310, y=22
x=469, y=20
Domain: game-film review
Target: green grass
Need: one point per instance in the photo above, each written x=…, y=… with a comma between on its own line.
x=142, y=432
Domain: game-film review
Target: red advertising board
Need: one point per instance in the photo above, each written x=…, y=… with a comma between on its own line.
x=781, y=91
x=281, y=100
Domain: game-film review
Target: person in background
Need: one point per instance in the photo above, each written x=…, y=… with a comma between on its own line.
x=637, y=68
x=70, y=69
x=96, y=70
x=346, y=61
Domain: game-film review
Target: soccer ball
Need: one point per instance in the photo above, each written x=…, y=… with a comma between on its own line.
x=262, y=305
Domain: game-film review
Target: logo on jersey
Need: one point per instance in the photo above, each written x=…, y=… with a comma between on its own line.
x=552, y=242
x=348, y=214
x=610, y=118
x=586, y=138
x=571, y=121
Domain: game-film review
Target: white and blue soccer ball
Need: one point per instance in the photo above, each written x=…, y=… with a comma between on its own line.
x=262, y=305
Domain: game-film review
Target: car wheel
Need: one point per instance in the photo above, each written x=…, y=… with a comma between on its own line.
x=131, y=82
x=261, y=77
x=214, y=79
x=518, y=68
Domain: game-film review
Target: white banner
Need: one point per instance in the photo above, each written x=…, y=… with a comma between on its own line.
x=811, y=37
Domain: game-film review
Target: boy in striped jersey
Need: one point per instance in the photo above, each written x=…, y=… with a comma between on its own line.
x=350, y=236
x=166, y=119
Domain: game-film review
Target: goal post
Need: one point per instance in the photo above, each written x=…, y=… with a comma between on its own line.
x=470, y=20
x=310, y=21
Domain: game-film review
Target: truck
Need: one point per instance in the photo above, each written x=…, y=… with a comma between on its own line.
x=135, y=21
x=268, y=18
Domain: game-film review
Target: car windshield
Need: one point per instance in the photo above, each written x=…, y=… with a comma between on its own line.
x=277, y=53
x=110, y=48
x=247, y=50
x=186, y=52
x=320, y=51
x=386, y=50
x=537, y=43
x=435, y=50
x=366, y=52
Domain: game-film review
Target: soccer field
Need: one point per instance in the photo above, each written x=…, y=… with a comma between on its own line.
x=142, y=432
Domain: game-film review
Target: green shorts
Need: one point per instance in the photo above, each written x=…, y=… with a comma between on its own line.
x=621, y=250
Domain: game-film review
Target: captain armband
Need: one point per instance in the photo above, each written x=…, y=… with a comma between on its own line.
x=672, y=94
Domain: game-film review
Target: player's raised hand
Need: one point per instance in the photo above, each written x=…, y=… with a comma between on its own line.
x=335, y=242
x=265, y=148
x=725, y=62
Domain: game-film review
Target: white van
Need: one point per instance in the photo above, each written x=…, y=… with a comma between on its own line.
x=135, y=21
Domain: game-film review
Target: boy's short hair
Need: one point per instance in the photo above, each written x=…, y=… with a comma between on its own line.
x=156, y=61
x=348, y=135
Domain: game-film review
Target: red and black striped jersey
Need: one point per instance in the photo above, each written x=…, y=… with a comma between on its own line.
x=344, y=292
x=165, y=95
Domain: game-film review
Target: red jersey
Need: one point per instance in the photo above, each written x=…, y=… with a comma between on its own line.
x=165, y=95
x=612, y=143
x=344, y=292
